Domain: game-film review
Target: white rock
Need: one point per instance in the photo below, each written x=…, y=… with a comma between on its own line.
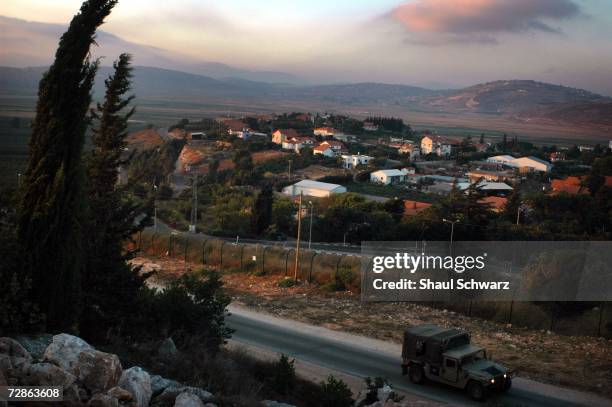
x=188, y=400
x=64, y=352
x=138, y=382
x=384, y=393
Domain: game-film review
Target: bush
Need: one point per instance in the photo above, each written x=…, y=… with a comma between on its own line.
x=286, y=282
x=335, y=393
x=191, y=309
x=283, y=379
x=342, y=278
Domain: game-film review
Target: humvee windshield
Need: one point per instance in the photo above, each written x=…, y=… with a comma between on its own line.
x=473, y=357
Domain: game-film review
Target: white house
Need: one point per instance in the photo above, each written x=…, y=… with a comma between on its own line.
x=440, y=146
x=313, y=188
x=411, y=150
x=324, y=150
x=297, y=143
x=388, y=177
x=352, y=160
x=281, y=135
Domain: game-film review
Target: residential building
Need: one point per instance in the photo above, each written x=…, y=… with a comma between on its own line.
x=413, y=151
x=298, y=143
x=324, y=150
x=496, y=176
x=412, y=208
x=281, y=135
x=238, y=128
x=335, y=145
x=327, y=131
x=501, y=159
x=388, y=177
x=585, y=148
x=557, y=156
x=441, y=146
x=352, y=161
x=313, y=188
x=369, y=126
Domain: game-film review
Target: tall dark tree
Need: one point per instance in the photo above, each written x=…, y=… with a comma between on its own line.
x=110, y=285
x=513, y=204
x=50, y=215
x=261, y=215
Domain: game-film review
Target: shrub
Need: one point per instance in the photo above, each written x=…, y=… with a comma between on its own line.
x=283, y=379
x=342, y=278
x=286, y=282
x=335, y=393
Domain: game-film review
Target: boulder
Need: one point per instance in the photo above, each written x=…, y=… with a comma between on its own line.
x=46, y=374
x=64, y=352
x=36, y=345
x=167, y=349
x=385, y=393
x=169, y=395
x=138, y=382
x=120, y=394
x=103, y=400
x=98, y=371
x=188, y=400
x=159, y=384
x=13, y=355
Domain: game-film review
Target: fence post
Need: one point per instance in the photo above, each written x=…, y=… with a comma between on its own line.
x=263, y=260
x=241, y=255
x=311, y=264
x=221, y=259
x=204, y=251
x=287, y=260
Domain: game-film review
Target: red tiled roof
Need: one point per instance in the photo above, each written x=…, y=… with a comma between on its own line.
x=496, y=203
x=413, y=207
x=571, y=185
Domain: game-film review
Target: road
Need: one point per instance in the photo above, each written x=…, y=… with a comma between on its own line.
x=363, y=357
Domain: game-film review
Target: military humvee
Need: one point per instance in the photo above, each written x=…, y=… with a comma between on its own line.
x=447, y=356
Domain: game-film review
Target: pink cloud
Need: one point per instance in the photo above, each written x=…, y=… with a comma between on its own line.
x=474, y=19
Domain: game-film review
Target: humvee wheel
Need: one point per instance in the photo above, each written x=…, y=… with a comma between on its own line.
x=416, y=374
x=476, y=391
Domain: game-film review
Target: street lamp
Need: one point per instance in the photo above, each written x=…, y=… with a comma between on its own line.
x=452, y=232
x=310, y=231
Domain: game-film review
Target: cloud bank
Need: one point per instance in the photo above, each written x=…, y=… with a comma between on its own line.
x=480, y=20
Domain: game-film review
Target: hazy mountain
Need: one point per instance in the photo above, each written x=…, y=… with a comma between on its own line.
x=26, y=43
x=517, y=100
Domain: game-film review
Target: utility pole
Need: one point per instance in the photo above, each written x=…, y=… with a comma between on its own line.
x=310, y=231
x=450, y=249
x=297, y=244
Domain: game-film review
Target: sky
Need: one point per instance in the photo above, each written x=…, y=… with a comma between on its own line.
x=434, y=43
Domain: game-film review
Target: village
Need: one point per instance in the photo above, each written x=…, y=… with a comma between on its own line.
x=380, y=160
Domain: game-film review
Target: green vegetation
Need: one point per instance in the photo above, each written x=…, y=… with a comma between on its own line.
x=336, y=393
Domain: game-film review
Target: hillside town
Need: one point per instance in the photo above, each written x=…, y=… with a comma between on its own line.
x=378, y=160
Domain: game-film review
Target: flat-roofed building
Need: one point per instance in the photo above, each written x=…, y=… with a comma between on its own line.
x=313, y=188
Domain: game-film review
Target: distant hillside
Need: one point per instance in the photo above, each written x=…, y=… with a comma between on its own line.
x=517, y=100
x=516, y=97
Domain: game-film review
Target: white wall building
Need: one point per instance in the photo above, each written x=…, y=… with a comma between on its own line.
x=523, y=163
x=352, y=160
x=313, y=188
x=388, y=177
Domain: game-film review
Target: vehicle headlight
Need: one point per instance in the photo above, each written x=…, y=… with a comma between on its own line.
x=505, y=376
x=492, y=381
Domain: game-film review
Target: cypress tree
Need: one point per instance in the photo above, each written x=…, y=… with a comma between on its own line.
x=261, y=215
x=50, y=213
x=110, y=285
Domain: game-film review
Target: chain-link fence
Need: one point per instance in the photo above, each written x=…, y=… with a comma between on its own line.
x=324, y=268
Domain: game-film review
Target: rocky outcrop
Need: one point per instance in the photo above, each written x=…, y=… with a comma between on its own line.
x=92, y=378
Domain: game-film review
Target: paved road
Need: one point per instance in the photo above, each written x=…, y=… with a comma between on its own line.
x=364, y=357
